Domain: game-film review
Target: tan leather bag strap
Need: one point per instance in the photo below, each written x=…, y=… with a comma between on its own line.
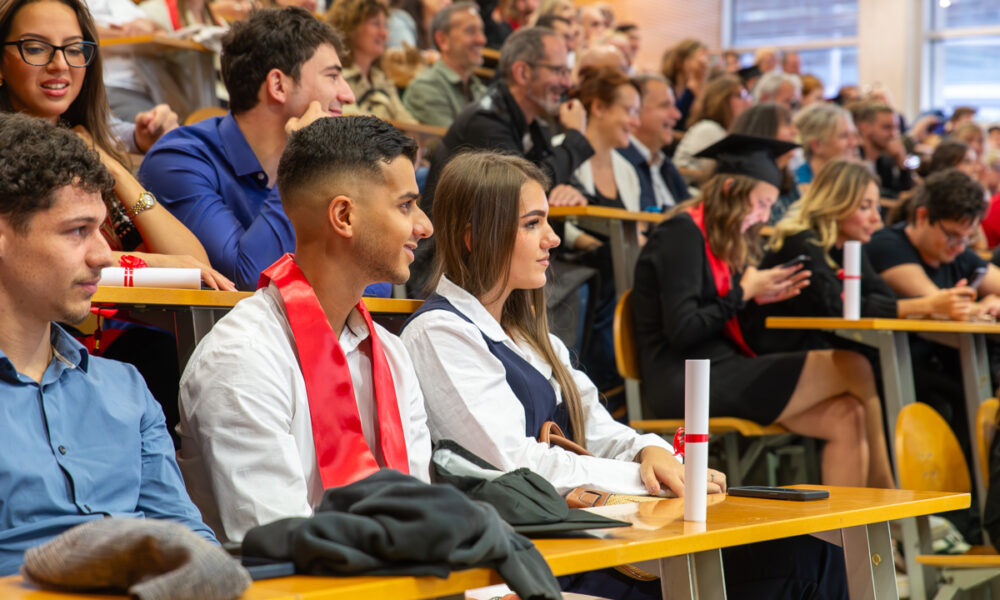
x=552, y=435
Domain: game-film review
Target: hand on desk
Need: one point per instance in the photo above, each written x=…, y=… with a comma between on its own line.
x=211, y=277
x=773, y=285
x=988, y=306
x=566, y=195
x=657, y=465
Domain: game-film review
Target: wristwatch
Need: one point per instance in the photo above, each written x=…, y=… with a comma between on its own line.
x=146, y=201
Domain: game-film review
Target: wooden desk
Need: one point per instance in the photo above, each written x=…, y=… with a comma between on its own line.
x=619, y=225
x=190, y=314
x=854, y=518
x=891, y=338
x=153, y=42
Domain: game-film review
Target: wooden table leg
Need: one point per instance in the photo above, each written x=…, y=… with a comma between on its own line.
x=693, y=576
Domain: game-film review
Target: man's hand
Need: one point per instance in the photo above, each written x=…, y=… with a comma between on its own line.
x=573, y=115
x=566, y=195
x=313, y=112
x=152, y=124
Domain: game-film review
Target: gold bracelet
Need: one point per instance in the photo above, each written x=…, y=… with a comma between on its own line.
x=145, y=202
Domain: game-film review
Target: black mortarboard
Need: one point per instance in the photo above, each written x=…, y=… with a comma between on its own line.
x=749, y=155
x=748, y=73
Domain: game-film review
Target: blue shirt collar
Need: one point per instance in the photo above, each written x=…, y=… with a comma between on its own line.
x=69, y=354
x=237, y=149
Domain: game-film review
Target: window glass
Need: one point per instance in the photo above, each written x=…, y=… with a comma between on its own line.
x=965, y=71
x=777, y=22
x=964, y=13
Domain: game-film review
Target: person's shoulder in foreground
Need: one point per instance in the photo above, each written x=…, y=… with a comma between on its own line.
x=81, y=438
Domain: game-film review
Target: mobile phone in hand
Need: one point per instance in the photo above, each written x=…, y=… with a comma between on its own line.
x=801, y=259
x=977, y=279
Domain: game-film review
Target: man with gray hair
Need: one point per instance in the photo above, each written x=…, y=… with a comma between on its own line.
x=783, y=88
x=438, y=94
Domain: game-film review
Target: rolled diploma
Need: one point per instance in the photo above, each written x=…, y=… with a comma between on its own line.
x=696, y=453
x=852, y=280
x=155, y=277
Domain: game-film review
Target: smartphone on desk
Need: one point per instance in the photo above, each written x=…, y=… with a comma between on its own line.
x=777, y=493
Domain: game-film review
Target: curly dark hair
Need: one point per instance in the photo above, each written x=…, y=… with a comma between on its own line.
x=332, y=147
x=36, y=159
x=272, y=38
x=953, y=195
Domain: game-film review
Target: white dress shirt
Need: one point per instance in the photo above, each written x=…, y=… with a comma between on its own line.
x=247, y=450
x=469, y=401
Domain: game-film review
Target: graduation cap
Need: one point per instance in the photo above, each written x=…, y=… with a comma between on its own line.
x=738, y=154
x=748, y=73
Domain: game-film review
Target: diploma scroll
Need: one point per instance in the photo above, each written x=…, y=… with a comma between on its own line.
x=153, y=277
x=696, y=386
x=852, y=280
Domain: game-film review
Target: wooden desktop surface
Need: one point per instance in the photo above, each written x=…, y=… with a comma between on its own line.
x=123, y=297
x=604, y=212
x=924, y=325
x=154, y=40
x=658, y=531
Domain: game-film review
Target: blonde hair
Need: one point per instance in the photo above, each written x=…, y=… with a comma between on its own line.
x=835, y=194
x=479, y=195
x=817, y=122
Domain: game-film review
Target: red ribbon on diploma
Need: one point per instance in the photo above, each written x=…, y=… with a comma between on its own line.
x=681, y=438
x=842, y=275
x=130, y=264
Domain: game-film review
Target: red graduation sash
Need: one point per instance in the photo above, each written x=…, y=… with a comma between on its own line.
x=342, y=454
x=723, y=281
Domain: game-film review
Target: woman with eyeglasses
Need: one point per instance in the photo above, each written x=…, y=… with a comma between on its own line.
x=51, y=69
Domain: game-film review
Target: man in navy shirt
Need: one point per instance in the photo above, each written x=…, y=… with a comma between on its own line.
x=282, y=70
x=81, y=438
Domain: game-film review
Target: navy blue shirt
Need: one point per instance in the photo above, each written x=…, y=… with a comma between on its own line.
x=88, y=442
x=208, y=177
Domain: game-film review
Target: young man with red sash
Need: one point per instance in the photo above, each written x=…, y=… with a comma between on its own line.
x=297, y=390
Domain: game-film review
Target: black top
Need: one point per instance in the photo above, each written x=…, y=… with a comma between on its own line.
x=679, y=315
x=891, y=247
x=821, y=298
x=671, y=177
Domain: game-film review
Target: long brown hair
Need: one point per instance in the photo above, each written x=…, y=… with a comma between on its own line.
x=725, y=209
x=713, y=102
x=479, y=196
x=90, y=108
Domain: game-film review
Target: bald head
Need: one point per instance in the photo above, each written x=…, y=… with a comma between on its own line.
x=601, y=56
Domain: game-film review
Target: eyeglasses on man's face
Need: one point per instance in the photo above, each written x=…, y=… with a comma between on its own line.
x=39, y=54
x=955, y=239
x=560, y=70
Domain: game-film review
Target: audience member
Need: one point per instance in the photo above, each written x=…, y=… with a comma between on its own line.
x=94, y=443
x=791, y=63
x=218, y=176
x=135, y=223
x=783, y=88
x=847, y=94
x=560, y=8
x=960, y=116
x=593, y=26
x=882, y=147
x=296, y=390
x=518, y=13
x=438, y=94
x=692, y=280
x=715, y=110
x=632, y=34
x=564, y=27
x=409, y=22
x=487, y=317
x=766, y=59
x=600, y=56
x=827, y=133
x=971, y=135
x=362, y=23
x=731, y=61
x=685, y=65
x=812, y=90
x=772, y=120
x=660, y=183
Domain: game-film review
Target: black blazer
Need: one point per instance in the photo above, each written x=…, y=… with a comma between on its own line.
x=671, y=176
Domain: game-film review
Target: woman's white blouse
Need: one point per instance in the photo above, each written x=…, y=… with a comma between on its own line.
x=468, y=400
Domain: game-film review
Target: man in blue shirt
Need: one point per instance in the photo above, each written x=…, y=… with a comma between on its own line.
x=81, y=438
x=282, y=70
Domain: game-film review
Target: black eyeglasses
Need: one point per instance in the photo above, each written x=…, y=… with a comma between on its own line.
x=39, y=54
x=560, y=70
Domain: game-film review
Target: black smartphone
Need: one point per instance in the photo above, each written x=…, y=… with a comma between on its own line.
x=777, y=493
x=978, y=278
x=798, y=260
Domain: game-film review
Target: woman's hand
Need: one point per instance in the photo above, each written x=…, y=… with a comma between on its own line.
x=773, y=285
x=657, y=465
x=211, y=277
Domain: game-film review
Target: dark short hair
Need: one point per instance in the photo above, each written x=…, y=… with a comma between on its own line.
x=865, y=112
x=37, y=159
x=273, y=38
x=442, y=20
x=526, y=45
x=332, y=147
x=626, y=27
x=952, y=195
x=550, y=19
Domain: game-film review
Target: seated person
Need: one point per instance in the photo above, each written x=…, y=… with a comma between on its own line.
x=218, y=176
x=496, y=374
x=827, y=133
x=692, y=281
x=94, y=444
x=685, y=65
x=882, y=146
x=714, y=111
x=439, y=93
x=295, y=390
x=136, y=224
x=660, y=183
x=362, y=23
x=773, y=120
x=841, y=204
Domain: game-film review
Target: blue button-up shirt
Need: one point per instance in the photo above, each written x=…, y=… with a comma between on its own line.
x=89, y=441
x=207, y=175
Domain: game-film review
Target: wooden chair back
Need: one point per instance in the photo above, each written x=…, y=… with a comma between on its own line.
x=203, y=113
x=986, y=428
x=624, y=335
x=927, y=452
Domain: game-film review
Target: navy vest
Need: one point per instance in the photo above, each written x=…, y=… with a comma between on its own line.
x=532, y=389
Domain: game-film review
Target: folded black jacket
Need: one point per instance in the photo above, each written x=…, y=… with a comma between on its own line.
x=393, y=524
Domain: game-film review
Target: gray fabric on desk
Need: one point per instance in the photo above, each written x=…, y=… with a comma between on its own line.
x=151, y=559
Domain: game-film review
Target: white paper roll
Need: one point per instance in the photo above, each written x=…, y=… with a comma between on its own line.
x=151, y=277
x=695, y=425
x=852, y=280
